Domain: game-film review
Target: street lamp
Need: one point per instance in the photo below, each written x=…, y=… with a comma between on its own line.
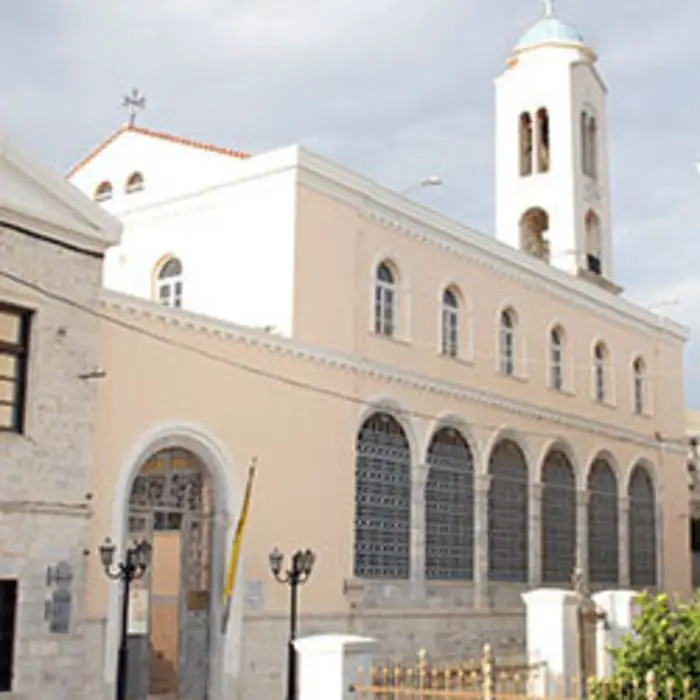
x=136, y=561
x=302, y=564
x=432, y=181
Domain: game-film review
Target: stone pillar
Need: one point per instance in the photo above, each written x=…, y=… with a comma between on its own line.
x=330, y=666
x=624, y=546
x=620, y=608
x=552, y=641
x=419, y=476
x=535, y=536
x=482, y=484
x=582, y=499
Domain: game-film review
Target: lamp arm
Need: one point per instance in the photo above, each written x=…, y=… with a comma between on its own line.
x=282, y=578
x=116, y=574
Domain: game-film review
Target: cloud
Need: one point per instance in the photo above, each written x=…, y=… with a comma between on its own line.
x=397, y=89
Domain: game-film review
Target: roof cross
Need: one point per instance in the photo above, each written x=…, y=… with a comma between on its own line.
x=548, y=8
x=134, y=101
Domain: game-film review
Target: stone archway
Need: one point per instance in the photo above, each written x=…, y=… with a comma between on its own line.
x=171, y=505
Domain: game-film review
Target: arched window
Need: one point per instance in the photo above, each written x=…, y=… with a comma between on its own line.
x=534, y=226
x=543, y=150
x=134, y=183
x=169, y=283
x=639, y=378
x=508, y=518
x=558, y=519
x=525, y=144
x=382, y=500
x=556, y=358
x=385, y=301
x=103, y=192
x=450, y=323
x=594, y=243
x=592, y=148
x=642, y=529
x=600, y=357
x=449, y=508
x=507, y=342
x=603, y=530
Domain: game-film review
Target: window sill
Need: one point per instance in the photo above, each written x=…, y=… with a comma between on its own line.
x=390, y=338
x=521, y=378
x=645, y=415
x=456, y=359
x=569, y=393
x=605, y=404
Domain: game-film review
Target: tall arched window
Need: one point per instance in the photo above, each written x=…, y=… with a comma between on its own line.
x=525, y=144
x=594, y=243
x=507, y=342
x=543, y=147
x=385, y=300
x=449, y=508
x=593, y=148
x=585, y=165
x=103, y=192
x=603, y=530
x=558, y=518
x=382, y=499
x=600, y=357
x=556, y=358
x=169, y=283
x=642, y=529
x=508, y=517
x=134, y=183
x=450, y=323
x=639, y=378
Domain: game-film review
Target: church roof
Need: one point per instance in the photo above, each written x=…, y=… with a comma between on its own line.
x=158, y=135
x=550, y=29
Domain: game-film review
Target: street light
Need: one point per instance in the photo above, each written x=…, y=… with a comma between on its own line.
x=432, y=181
x=302, y=565
x=136, y=561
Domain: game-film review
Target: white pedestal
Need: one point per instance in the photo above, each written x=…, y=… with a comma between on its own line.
x=328, y=665
x=552, y=641
x=620, y=609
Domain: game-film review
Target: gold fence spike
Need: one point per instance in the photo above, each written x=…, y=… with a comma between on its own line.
x=651, y=686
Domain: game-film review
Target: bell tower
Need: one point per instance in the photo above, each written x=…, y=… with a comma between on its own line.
x=552, y=179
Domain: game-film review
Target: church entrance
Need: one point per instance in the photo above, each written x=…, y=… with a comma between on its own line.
x=171, y=506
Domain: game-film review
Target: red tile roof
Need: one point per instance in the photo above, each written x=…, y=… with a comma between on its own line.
x=158, y=135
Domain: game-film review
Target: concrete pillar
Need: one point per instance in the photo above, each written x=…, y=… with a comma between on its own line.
x=582, y=499
x=535, y=536
x=330, y=665
x=482, y=484
x=623, y=515
x=620, y=609
x=552, y=641
x=419, y=476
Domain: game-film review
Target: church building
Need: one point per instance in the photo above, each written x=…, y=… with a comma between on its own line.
x=447, y=419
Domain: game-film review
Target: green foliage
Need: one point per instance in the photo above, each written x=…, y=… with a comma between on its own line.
x=666, y=641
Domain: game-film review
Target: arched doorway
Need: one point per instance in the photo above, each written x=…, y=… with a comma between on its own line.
x=171, y=505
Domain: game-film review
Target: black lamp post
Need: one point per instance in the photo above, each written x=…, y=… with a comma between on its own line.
x=302, y=564
x=136, y=561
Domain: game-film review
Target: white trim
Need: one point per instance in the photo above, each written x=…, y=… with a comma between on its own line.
x=560, y=444
x=225, y=655
x=136, y=309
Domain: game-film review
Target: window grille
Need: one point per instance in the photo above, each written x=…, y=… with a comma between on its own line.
x=382, y=500
x=507, y=343
x=450, y=324
x=557, y=359
x=603, y=529
x=600, y=356
x=642, y=529
x=385, y=301
x=639, y=381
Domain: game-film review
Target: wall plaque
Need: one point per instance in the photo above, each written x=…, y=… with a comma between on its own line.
x=60, y=612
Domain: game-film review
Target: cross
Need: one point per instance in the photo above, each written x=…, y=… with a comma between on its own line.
x=548, y=8
x=134, y=101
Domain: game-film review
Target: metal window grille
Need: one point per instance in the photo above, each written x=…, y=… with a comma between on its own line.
x=639, y=387
x=603, y=527
x=382, y=500
x=508, y=514
x=599, y=368
x=558, y=518
x=507, y=344
x=557, y=357
x=642, y=529
x=450, y=324
x=449, y=508
x=14, y=354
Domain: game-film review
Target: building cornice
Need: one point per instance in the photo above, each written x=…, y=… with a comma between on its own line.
x=402, y=215
x=147, y=311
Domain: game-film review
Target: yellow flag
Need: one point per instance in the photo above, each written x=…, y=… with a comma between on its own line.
x=238, y=538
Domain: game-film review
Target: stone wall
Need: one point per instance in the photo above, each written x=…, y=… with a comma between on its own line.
x=44, y=507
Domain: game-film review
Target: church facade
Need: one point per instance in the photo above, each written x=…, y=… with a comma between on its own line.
x=446, y=419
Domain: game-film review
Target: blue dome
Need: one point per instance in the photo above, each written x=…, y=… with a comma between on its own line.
x=550, y=29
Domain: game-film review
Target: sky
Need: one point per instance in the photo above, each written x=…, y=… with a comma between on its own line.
x=398, y=90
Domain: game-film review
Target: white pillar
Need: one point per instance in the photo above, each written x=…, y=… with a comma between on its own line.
x=481, y=541
x=552, y=641
x=535, y=536
x=620, y=608
x=419, y=477
x=329, y=665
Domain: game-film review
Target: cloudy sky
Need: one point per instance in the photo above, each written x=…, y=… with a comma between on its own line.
x=397, y=89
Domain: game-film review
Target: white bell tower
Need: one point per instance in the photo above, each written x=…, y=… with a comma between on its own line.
x=552, y=188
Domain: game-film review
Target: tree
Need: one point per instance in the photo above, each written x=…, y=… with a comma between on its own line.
x=666, y=642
